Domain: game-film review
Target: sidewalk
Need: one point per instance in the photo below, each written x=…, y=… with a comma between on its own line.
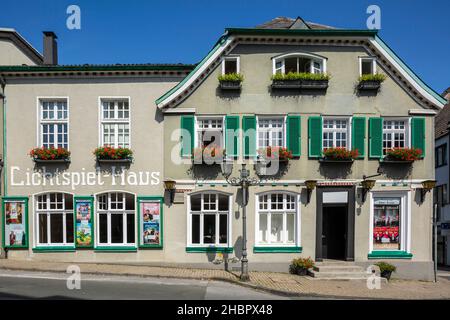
x=278, y=283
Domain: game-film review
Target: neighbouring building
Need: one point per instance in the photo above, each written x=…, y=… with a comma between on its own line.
x=442, y=143
x=343, y=165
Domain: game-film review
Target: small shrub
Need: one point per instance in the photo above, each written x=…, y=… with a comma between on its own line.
x=300, y=76
x=300, y=264
x=275, y=153
x=379, y=77
x=386, y=267
x=235, y=77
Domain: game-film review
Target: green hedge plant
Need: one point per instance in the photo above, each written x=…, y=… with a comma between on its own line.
x=378, y=77
x=301, y=76
x=234, y=77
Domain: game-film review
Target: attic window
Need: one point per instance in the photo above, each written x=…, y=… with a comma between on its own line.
x=230, y=65
x=367, y=66
x=299, y=63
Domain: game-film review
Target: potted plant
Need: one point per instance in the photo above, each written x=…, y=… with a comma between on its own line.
x=402, y=155
x=230, y=81
x=280, y=154
x=210, y=154
x=386, y=269
x=339, y=154
x=110, y=154
x=300, y=80
x=50, y=154
x=370, y=81
x=300, y=266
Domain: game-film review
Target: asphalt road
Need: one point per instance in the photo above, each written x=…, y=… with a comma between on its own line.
x=40, y=285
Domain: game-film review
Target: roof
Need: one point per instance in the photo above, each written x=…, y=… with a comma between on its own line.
x=441, y=122
x=24, y=45
x=290, y=23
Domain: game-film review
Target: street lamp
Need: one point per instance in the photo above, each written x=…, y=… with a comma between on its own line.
x=170, y=186
x=427, y=185
x=244, y=181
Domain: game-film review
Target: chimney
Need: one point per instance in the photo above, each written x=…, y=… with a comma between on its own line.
x=50, y=48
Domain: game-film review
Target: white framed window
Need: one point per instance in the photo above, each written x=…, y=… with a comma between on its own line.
x=270, y=132
x=115, y=122
x=395, y=134
x=116, y=219
x=336, y=133
x=53, y=123
x=209, y=219
x=277, y=219
x=299, y=62
x=209, y=131
x=390, y=221
x=231, y=65
x=54, y=219
x=367, y=65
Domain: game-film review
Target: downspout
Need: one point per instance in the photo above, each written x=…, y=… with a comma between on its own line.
x=3, y=251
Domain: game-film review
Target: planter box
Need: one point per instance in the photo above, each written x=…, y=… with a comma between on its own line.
x=286, y=84
x=55, y=161
x=230, y=85
x=327, y=160
x=369, y=85
x=314, y=84
x=396, y=161
x=106, y=161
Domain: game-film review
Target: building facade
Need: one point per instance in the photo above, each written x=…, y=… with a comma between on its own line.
x=303, y=204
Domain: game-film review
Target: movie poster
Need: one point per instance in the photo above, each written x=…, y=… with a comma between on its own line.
x=15, y=224
x=83, y=223
x=150, y=223
x=386, y=224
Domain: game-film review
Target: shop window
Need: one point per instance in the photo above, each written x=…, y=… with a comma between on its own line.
x=209, y=219
x=276, y=219
x=441, y=155
x=209, y=132
x=270, y=132
x=335, y=133
x=54, y=218
x=53, y=124
x=116, y=219
x=395, y=134
x=115, y=123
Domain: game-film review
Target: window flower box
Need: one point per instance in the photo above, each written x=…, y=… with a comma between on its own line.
x=371, y=81
x=300, y=80
x=113, y=155
x=231, y=81
x=402, y=155
x=208, y=155
x=50, y=155
x=280, y=154
x=339, y=155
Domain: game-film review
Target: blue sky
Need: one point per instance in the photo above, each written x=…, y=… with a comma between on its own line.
x=171, y=31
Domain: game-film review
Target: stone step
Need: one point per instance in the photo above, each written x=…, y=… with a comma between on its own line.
x=338, y=275
x=338, y=268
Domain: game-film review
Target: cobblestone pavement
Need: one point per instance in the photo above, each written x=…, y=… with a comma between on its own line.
x=279, y=283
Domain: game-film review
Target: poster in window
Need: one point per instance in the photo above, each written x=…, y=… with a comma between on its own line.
x=83, y=215
x=150, y=212
x=15, y=231
x=386, y=224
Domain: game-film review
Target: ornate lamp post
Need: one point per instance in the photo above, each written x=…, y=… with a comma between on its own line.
x=244, y=181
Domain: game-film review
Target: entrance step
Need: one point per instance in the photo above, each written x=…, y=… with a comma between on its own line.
x=342, y=270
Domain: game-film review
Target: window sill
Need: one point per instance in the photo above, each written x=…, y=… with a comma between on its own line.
x=389, y=255
x=54, y=249
x=277, y=249
x=209, y=249
x=115, y=249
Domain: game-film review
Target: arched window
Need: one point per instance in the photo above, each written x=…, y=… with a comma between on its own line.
x=299, y=62
x=209, y=219
x=277, y=219
x=54, y=219
x=116, y=219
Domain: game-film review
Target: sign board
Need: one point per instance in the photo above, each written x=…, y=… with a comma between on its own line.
x=150, y=214
x=15, y=222
x=84, y=222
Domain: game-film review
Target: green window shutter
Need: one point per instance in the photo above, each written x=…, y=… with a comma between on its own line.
x=293, y=130
x=249, y=128
x=315, y=137
x=187, y=135
x=375, y=137
x=232, y=136
x=418, y=134
x=359, y=135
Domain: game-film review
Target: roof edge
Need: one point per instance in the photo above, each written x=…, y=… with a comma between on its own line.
x=174, y=67
x=314, y=32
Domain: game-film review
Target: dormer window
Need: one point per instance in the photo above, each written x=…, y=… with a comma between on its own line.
x=367, y=66
x=230, y=65
x=299, y=63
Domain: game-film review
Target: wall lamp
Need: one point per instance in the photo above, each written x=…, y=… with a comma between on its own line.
x=170, y=187
x=310, y=186
x=367, y=185
x=427, y=185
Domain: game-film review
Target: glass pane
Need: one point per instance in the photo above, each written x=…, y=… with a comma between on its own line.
x=130, y=228
x=223, y=228
x=304, y=65
x=195, y=228
x=290, y=224
x=209, y=228
x=231, y=66
x=69, y=228
x=196, y=202
x=263, y=227
x=290, y=65
x=56, y=228
x=223, y=202
x=276, y=227
x=366, y=66
x=43, y=237
x=116, y=228
x=103, y=228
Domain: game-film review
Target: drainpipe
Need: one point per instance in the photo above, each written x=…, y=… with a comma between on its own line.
x=435, y=211
x=3, y=253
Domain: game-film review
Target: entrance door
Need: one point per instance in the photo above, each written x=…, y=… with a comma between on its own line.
x=334, y=232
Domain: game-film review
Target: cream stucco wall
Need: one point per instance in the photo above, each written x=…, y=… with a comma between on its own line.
x=11, y=55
